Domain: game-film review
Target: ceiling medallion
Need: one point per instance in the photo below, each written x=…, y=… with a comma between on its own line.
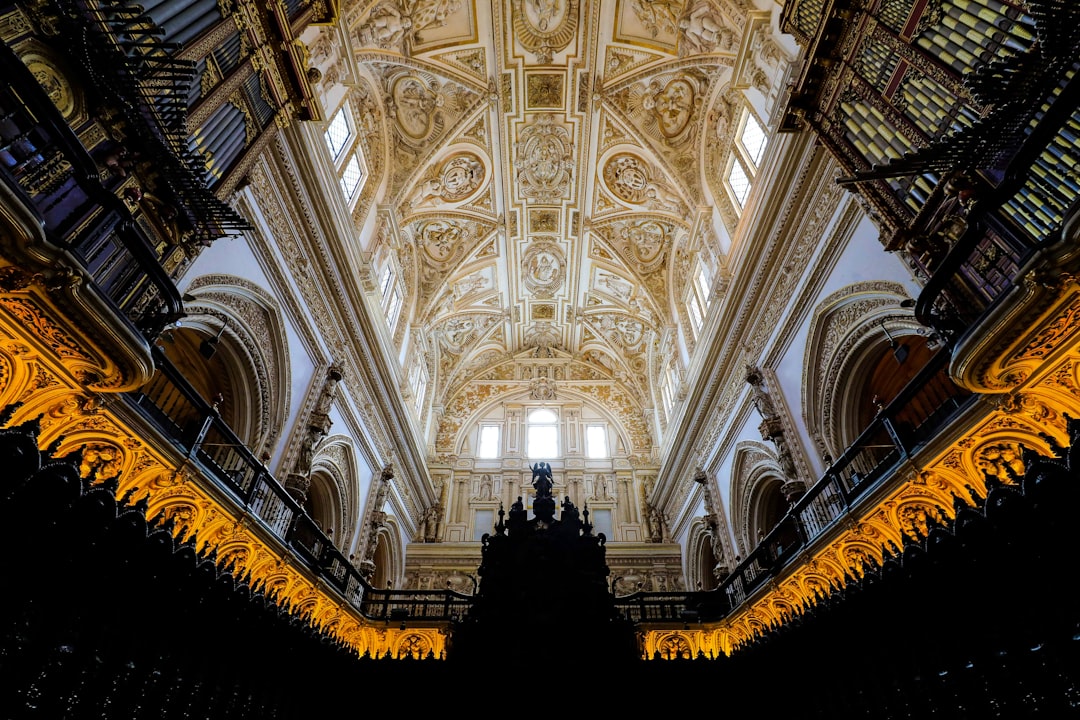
x=413, y=105
x=672, y=106
x=627, y=177
x=646, y=241
x=544, y=267
x=543, y=160
x=456, y=179
x=630, y=179
x=442, y=240
x=457, y=333
x=621, y=330
x=462, y=175
x=545, y=26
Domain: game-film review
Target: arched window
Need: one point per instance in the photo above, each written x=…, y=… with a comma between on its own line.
x=542, y=434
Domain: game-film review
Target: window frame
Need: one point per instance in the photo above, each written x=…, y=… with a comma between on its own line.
x=391, y=298
x=496, y=443
x=348, y=158
x=698, y=297
x=418, y=383
x=337, y=154
x=602, y=431
x=343, y=176
x=531, y=424
x=741, y=157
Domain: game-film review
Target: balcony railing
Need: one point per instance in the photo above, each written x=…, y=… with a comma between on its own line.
x=926, y=405
x=197, y=430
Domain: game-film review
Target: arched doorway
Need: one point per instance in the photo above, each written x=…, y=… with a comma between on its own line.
x=383, y=574
x=892, y=367
x=197, y=356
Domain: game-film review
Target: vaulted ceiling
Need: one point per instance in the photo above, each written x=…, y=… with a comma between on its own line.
x=548, y=172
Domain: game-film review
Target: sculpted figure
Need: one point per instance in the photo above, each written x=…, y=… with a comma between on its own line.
x=542, y=479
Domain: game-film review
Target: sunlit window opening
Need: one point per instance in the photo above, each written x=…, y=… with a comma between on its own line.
x=596, y=442
x=697, y=303
x=391, y=294
x=753, y=140
x=542, y=435
x=748, y=152
x=693, y=305
x=703, y=283
x=393, y=306
x=337, y=134
x=489, y=442
x=669, y=388
x=386, y=280
x=418, y=381
x=350, y=177
x=738, y=181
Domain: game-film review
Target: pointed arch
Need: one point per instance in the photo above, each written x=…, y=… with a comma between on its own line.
x=845, y=343
x=701, y=562
x=756, y=500
x=334, y=496
x=389, y=556
x=253, y=352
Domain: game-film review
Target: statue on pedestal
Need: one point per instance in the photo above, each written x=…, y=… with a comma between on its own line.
x=544, y=504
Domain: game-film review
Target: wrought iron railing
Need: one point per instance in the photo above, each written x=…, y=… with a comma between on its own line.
x=926, y=405
x=197, y=430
